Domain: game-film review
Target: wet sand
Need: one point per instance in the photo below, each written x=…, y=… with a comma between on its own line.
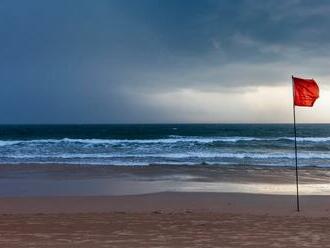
x=88, y=180
x=200, y=173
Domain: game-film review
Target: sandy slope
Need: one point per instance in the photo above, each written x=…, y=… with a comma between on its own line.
x=165, y=220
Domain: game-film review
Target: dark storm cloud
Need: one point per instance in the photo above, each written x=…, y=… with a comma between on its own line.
x=93, y=61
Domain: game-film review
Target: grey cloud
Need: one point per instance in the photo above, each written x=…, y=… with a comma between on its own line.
x=89, y=61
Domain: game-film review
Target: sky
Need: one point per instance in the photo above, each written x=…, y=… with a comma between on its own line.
x=161, y=61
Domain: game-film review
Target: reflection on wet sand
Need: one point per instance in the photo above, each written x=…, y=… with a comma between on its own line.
x=48, y=180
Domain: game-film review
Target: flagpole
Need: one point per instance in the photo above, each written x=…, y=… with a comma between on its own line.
x=295, y=145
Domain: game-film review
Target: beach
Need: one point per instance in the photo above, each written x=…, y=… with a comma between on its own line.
x=159, y=218
x=165, y=220
x=163, y=186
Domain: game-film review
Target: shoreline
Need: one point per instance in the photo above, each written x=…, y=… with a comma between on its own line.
x=84, y=180
x=237, y=172
x=204, y=164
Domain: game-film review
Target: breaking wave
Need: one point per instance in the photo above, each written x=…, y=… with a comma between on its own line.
x=170, y=140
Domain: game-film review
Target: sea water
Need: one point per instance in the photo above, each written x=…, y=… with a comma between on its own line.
x=166, y=144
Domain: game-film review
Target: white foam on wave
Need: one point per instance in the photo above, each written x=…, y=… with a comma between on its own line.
x=8, y=142
x=171, y=140
x=191, y=155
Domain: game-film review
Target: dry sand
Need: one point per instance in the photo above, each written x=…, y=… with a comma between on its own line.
x=165, y=220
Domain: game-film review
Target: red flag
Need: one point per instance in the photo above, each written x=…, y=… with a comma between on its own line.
x=305, y=91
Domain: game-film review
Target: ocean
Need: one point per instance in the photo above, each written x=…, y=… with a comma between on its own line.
x=166, y=144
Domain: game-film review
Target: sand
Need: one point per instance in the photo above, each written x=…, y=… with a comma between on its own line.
x=61, y=206
x=165, y=220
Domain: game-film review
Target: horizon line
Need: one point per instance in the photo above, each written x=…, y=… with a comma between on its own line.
x=164, y=123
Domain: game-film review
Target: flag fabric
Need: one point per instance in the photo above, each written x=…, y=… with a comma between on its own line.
x=305, y=92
